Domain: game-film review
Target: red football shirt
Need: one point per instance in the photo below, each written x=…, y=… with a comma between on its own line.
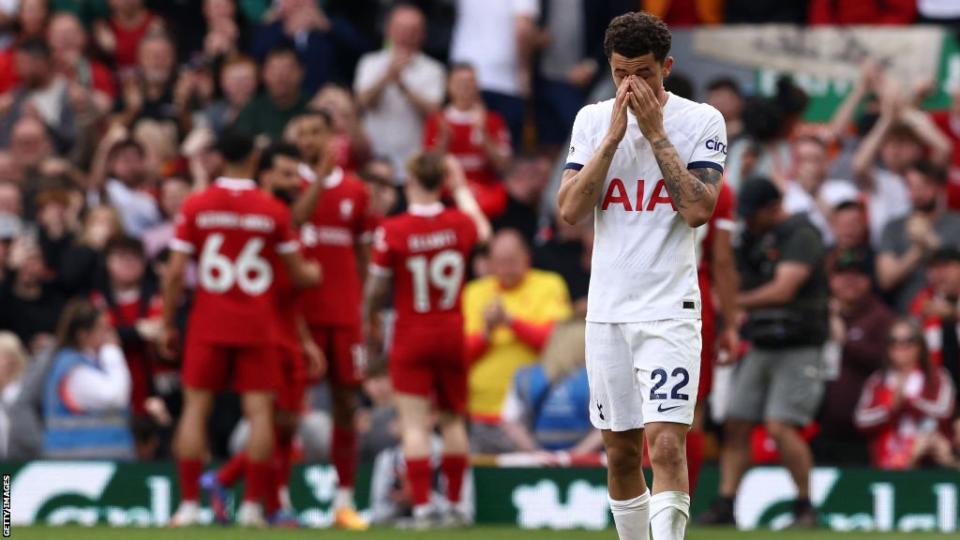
x=340, y=221
x=236, y=232
x=723, y=219
x=426, y=250
x=466, y=142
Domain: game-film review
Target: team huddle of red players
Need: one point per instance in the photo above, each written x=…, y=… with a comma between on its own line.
x=282, y=245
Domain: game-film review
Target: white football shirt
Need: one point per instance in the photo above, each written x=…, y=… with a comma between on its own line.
x=644, y=254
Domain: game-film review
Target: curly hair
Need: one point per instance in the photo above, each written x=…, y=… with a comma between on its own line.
x=636, y=34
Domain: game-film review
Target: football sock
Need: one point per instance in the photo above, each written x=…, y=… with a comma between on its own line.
x=283, y=450
x=418, y=475
x=232, y=470
x=695, y=440
x=632, y=517
x=259, y=480
x=189, y=471
x=669, y=511
x=454, y=468
x=343, y=454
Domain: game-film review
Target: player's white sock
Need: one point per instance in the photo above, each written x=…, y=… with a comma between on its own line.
x=343, y=498
x=669, y=511
x=632, y=517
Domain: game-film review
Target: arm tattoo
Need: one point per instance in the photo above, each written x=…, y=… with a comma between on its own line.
x=686, y=187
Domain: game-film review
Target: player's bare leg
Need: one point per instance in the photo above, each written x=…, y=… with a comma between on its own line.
x=629, y=497
x=344, y=456
x=456, y=461
x=797, y=458
x=190, y=448
x=415, y=432
x=670, y=503
x=258, y=410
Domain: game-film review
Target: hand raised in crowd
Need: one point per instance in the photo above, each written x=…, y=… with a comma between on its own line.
x=399, y=61
x=495, y=315
x=920, y=231
x=940, y=308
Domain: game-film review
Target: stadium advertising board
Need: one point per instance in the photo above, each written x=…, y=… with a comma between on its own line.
x=121, y=494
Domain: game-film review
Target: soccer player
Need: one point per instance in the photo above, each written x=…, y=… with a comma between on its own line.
x=422, y=256
x=717, y=271
x=242, y=239
x=647, y=164
x=336, y=232
x=278, y=176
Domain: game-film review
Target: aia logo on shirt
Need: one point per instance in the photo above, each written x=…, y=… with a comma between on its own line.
x=617, y=195
x=346, y=209
x=717, y=145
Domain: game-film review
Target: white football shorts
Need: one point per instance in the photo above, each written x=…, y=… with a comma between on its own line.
x=643, y=372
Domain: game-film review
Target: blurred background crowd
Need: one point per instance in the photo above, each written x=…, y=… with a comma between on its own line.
x=109, y=110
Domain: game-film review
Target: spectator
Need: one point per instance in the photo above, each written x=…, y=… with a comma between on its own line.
x=148, y=92
x=238, y=82
x=778, y=382
x=41, y=93
x=268, y=113
x=82, y=266
x=13, y=363
x=898, y=139
x=548, y=403
x=848, y=225
x=908, y=241
x=937, y=307
x=173, y=191
x=399, y=87
x=498, y=38
x=906, y=406
x=126, y=187
x=508, y=316
x=349, y=143
x=568, y=66
x=328, y=47
x=524, y=184
x=859, y=325
x=223, y=35
x=120, y=36
x=87, y=395
x=848, y=12
x=802, y=193
x=92, y=89
x=476, y=136
x=380, y=176
x=724, y=94
x=30, y=147
x=568, y=252
x=131, y=300
x=29, y=303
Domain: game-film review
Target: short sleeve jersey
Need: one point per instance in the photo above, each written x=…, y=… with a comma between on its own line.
x=644, y=265
x=237, y=234
x=340, y=221
x=723, y=219
x=426, y=250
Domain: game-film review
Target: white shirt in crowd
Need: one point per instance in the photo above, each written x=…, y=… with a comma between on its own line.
x=644, y=255
x=90, y=389
x=832, y=193
x=889, y=200
x=394, y=126
x=484, y=35
x=138, y=210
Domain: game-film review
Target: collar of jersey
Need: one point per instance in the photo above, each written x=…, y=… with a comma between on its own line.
x=461, y=117
x=425, y=210
x=331, y=181
x=236, y=184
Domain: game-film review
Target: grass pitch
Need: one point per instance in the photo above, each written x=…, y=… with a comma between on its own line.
x=478, y=533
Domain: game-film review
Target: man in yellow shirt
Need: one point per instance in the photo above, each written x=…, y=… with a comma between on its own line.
x=508, y=316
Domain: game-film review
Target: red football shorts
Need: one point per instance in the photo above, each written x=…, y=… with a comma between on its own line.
x=293, y=380
x=709, y=340
x=343, y=347
x=217, y=367
x=430, y=363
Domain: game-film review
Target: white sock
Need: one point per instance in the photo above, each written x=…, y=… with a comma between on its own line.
x=422, y=511
x=669, y=511
x=343, y=498
x=632, y=517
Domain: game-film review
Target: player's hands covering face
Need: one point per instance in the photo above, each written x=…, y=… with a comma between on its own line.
x=618, y=122
x=645, y=106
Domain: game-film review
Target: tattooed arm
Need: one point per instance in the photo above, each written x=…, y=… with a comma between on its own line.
x=580, y=190
x=694, y=191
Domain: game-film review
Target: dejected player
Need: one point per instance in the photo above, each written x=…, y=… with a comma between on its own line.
x=648, y=165
x=422, y=256
x=336, y=231
x=242, y=239
x=300, y=359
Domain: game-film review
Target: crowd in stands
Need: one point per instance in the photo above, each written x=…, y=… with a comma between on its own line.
x=109, y=110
